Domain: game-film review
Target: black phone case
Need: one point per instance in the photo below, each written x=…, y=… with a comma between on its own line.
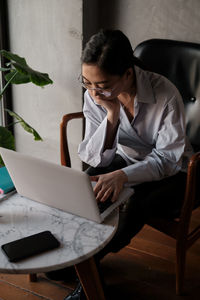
x=29, y=246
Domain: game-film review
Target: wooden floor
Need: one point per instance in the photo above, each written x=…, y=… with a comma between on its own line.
x=142, y=271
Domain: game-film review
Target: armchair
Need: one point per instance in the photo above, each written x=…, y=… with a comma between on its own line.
x=180, y=63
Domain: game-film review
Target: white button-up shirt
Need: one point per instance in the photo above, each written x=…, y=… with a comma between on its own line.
x=154, y=144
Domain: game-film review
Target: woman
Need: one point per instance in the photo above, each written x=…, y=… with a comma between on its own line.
x=135, y=135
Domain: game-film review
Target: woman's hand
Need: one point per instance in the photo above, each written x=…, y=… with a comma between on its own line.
x=107, y=184
x=113, y=110
x=111, y=105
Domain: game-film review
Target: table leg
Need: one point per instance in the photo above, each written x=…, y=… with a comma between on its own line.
x=32, y=277
x=90, y=280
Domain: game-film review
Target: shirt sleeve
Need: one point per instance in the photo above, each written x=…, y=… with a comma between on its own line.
x=165, y=158
x=91, y=150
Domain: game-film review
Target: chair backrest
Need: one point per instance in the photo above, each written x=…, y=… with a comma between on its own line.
x=180, y=63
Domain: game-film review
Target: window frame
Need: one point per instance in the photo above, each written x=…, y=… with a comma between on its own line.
x=6, y=101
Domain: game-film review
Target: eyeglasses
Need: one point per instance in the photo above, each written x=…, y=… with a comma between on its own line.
x=102, y=91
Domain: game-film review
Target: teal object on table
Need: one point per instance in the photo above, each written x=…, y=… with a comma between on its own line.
x=6, y=184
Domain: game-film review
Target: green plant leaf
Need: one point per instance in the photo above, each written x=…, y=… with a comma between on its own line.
x=13, y=57
x=6, y=140
x=5, y=69
x=18, y=79
x=25, y=125
x=5, y=86
x=38, y=78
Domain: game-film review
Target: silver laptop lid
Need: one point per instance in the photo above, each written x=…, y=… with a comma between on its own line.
x=51, y=184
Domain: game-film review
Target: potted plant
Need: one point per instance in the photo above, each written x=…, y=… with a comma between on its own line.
x=17, y=71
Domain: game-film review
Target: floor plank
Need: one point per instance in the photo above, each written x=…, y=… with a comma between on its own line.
x=22, y=288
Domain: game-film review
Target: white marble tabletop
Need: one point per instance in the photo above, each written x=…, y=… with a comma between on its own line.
x=79, y=237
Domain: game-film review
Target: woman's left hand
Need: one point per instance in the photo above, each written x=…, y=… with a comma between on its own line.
x=109, y=183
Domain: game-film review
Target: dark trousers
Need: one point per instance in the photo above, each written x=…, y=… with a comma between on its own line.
x=156, y=199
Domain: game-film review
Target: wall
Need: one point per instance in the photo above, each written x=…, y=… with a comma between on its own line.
x=146, y=19
x=48, y=33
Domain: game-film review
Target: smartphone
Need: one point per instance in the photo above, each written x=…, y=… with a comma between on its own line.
x=30, y=245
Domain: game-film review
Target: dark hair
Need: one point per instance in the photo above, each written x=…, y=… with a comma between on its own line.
x=111, y=51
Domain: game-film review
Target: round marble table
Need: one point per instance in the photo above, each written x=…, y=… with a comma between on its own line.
x=80, y=239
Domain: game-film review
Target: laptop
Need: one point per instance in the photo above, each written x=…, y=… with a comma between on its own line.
x=57, y=186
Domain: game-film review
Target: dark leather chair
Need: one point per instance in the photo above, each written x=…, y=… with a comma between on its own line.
x=180, y=63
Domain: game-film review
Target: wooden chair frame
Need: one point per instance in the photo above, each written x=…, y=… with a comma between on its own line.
x=179, y=229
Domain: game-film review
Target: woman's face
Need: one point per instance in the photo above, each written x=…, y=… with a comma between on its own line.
x=100, y=84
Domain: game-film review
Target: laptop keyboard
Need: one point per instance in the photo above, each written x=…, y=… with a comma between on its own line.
x=104, y=205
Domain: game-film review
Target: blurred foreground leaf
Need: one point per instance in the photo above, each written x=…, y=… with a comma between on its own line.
x=6, y=140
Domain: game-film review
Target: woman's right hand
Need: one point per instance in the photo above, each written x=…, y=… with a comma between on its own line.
x=111, y=105
x=109, y=184
x=113, y=109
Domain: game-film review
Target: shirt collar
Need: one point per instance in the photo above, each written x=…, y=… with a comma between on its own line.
x=144, y=88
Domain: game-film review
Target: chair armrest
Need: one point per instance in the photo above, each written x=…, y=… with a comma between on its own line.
x=191, y=194
x=64, y=149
